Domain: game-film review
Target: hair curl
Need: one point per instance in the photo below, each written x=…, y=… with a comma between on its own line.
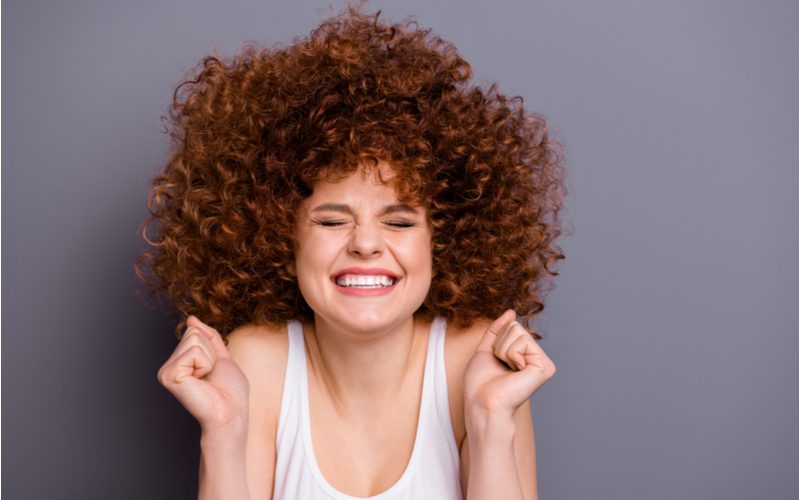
x=252, y=135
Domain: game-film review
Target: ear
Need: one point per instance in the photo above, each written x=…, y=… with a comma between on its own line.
x=291, y=269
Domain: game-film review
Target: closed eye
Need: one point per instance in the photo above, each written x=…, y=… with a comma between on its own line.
x=400, y=224
x=329, y=223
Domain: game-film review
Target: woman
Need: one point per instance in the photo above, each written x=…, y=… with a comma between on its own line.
x=350, y=220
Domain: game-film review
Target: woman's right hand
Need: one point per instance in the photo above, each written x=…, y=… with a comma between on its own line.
x=201, y=374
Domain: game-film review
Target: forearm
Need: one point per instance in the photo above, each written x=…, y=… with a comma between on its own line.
x=493, y=468
x=223, y=467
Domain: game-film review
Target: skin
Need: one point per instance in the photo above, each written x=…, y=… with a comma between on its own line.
x=365, y=358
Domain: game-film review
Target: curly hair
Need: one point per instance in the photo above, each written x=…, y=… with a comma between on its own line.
x=252, y=134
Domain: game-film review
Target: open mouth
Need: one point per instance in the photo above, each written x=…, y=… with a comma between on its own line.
x=365, y=281
x=361, y=281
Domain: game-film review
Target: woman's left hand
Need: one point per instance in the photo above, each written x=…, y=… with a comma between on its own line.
x=507, y=368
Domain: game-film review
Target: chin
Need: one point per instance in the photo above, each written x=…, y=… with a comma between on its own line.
x=371, y=320
x=365, y=319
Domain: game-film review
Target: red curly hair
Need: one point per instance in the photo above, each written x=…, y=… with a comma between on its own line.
x=254, y=133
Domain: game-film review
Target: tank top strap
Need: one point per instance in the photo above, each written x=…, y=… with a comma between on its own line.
x=438, y=375
x=294, y=377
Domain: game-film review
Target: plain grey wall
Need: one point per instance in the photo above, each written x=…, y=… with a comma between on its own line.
x=674, y=324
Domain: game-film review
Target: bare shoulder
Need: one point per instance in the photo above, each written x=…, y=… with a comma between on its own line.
x=460, y=345
x=253, y=340
x=462, y=342
x=261, y=351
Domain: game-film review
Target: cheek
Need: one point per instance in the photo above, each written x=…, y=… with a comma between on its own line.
x=315, y=257
x=305, y=256
x=426, y=255
x=424, y=271
x=418, y=256
x=315, y=249
x=310, y=273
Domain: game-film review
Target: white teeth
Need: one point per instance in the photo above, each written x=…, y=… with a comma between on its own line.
x=364, y=281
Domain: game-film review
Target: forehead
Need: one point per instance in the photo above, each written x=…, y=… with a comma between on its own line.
x=377, y=182
x=362, y=183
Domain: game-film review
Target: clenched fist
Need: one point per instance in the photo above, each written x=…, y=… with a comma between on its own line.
x=201, y=374
x=507, y=368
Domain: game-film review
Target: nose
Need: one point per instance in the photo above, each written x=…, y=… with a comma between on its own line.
x=366, y=241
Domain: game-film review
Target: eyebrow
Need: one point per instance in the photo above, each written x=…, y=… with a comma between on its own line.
x=345, y=209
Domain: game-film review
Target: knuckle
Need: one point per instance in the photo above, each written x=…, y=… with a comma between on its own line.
x=199, y=351
x=194, y=340
x=548, y=369
x=191, y=333
x=195, y=349
x=162, y=375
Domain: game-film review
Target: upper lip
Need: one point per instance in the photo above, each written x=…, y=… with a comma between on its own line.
x=371, y=271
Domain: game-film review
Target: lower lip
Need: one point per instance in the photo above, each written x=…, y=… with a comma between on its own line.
x=366, y=292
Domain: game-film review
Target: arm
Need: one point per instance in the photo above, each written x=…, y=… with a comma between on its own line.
x=498, y=454
x=222, y=465
x=201, y=374
x=239, y=464
x=261, y=354
x=504, y=457
x=213, y=382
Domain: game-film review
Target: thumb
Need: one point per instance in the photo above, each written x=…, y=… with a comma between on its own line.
x=497, y=326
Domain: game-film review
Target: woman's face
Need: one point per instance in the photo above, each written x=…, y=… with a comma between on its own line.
x=363, y=259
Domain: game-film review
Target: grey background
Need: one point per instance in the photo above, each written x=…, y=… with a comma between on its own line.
x=674, y=324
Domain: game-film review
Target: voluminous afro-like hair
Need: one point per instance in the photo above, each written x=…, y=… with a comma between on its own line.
x=254, y=133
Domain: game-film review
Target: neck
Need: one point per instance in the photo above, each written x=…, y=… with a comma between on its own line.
x=360, y=371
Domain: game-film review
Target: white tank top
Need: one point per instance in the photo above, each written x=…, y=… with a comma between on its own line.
x=433, y=471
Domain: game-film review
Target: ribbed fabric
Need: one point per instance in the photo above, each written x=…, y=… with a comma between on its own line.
x=431, y=473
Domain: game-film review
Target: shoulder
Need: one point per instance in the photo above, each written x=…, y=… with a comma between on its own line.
x=460, y=345
x=461, y=342
x=251, y=339
x=261, y=351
